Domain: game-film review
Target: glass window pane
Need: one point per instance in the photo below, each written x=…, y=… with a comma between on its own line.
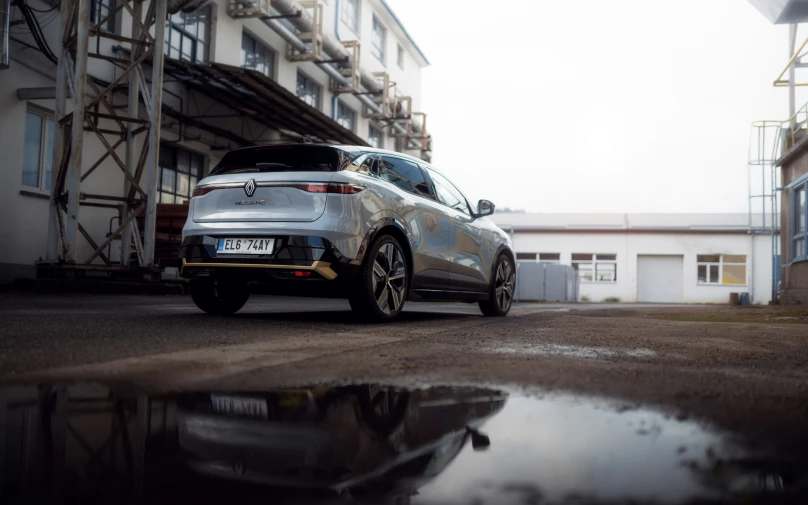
x=585, y=271
x=526, y=256
x=713, y=273
x=708, y=258
x=702, y=273
x=166, y=197
x=51, y=128
x=193, y=182
x=31, y=150
x=448, y=194
x=183, y=185
x=581, y=257
x=168, y=180
x=549, y=257
x=606, y=272
x=734, y=258
x=734, y=274
x=801, y=209
x=406, y=175
x=799, y=248
x=607, y=257
x=183, y=161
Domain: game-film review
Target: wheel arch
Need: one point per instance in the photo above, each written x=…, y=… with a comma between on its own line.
x=390, y=226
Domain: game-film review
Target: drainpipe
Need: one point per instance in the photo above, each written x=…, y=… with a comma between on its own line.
x=334, y=99
x=752, y=271
x=336, y=20
x=5, y=19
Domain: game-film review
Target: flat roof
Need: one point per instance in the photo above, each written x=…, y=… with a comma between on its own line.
x=543, y=222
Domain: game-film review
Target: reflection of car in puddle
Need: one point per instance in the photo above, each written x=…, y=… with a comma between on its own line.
x=362, y=439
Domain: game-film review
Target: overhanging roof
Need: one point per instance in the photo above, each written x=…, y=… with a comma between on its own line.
x=783, y=11
x=260, y=99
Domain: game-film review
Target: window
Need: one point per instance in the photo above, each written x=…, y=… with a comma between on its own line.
x=349, y=14
x=525, y=256
x=100, y=9
x=308, y=90
x=800, y=219
x=346, y=116
x=400, y=57
x=378, y=39
x=595, y=267
x=550, y=257
x=406, y=175
x=188, y=35
x=179, y=171
x=721, y=269
x=256, y=56
x=448, y=194
x=375, y=138
x=37, y=153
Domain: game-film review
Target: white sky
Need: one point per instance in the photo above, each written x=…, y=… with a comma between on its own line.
x=593, y=106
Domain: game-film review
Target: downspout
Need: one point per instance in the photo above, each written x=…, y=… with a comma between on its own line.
x=334, y=99
x=5, y=20
x=336, y=20
x=752, y=271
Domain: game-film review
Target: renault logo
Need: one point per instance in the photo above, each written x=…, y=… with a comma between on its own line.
x=249, y=188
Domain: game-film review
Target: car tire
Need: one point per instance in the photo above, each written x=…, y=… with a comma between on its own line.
x=501, y=291
x=383, y=281
x=219, y=296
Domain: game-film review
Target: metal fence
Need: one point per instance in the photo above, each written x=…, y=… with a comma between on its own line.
x=546, y=282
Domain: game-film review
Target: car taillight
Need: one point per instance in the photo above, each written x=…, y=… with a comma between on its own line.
x=317, y=187
x=202, y=190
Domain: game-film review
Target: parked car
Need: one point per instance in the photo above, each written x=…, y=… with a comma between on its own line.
x=373, y=226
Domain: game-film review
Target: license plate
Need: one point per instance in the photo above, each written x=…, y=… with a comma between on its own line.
x=240, y=406
x=245, y=246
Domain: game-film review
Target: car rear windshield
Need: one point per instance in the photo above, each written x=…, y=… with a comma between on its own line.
x=302, y=158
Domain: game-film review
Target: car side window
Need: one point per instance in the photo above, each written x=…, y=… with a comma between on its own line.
x=405, y=174
x=448, y=194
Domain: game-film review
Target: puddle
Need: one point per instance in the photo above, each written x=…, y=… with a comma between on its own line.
x=88, y=443
x=574, y=351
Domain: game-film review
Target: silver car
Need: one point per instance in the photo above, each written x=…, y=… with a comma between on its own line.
x=373, y=226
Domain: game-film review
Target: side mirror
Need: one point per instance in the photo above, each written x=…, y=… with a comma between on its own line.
x=484, y=208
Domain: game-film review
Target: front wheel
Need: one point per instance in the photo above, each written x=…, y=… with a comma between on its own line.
x=502, y=288
x=382, y=285
x=219, y=296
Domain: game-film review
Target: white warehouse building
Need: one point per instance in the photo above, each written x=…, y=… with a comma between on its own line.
x=236, y=74
x=654, y=258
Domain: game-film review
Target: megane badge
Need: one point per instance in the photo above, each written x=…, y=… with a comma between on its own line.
x=249, y=188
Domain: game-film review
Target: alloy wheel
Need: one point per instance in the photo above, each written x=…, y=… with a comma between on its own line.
x=389, y=278
x=504, y=285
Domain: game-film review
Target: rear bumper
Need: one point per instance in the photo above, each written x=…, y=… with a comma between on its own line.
x=198, y=257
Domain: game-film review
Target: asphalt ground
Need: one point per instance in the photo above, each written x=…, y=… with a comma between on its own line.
x=749, y=378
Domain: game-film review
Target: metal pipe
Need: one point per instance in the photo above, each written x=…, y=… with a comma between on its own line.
x=5, y=24
x=329, y=69
x=131, y=155
x=155, y=113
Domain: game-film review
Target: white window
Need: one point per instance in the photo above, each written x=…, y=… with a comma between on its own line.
x=800, y=223
x=346, y=116
x=550, y=257
x=721, y=269
x=188, y=35
x=308, y=90
x=400, y=57
x=349, y=14
x=595, y=267
x=37, y=157
x=375, y=138
x=378, y=39
x=256, y=56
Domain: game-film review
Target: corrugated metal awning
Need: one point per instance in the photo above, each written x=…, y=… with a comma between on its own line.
x=260, y=99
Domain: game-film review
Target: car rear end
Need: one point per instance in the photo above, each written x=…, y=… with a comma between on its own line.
x=262, y=214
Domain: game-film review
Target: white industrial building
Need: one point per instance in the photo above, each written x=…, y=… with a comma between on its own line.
x=235, y=74
x=657, y=258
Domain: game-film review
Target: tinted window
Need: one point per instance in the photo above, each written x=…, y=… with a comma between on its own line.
x=406, y=175
x=299, y=158
x=448, y=194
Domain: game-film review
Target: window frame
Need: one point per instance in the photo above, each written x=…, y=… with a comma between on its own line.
x=595, y=261
x=256, y=43
x=172, y=25
x=175, y=168
x=308, y=80
x=337, y=116
x=795, y=234
x=382, y=50
x=428, y=169
x=353, y=25
x=720, y=264
x=400, y=56
x=371, y=128
x=48, y=123
x=100, y=9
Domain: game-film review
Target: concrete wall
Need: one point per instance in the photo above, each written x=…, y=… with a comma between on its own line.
x=627, y=246
x=793, y=275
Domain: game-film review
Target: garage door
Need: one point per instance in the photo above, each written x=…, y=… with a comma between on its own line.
x=659, y=279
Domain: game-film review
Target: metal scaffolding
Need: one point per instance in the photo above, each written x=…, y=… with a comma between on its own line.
x=94, y=109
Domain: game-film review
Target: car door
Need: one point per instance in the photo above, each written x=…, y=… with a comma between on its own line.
x=466, y=240
x=430, y=229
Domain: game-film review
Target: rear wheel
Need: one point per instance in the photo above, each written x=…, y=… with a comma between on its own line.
x=502, y=288
x=382, y=284
x=219, y=296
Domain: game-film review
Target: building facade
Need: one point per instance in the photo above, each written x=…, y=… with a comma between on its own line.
x=236, y=74
x=794, y=223
x=653, y=258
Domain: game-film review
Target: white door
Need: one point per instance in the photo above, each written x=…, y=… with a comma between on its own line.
x=660, y=278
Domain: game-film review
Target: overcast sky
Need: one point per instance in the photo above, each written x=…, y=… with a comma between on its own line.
x=593, y=106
